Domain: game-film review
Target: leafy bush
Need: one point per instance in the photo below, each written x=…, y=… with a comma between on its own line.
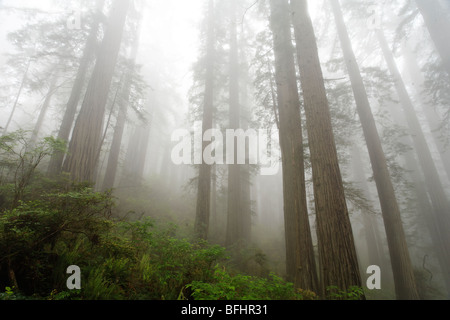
x=33, y=234
x=19, y=160
x=241, y=287
x=119, y=260
x=353, y=293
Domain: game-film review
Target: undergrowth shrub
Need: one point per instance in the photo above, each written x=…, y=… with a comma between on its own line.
x=118, y=259
x=242, y=287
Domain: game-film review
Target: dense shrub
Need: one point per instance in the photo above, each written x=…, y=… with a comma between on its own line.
x=241, y=287
x=119, y=260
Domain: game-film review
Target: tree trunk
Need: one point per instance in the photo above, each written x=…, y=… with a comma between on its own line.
x=136, y=156
x=300, y=260
x=405, y=284
x=16, y=102
x=234, y=233
x=437, y=21
x=43, y=111
x=374, y=244
x=433, y=120
x=114, y=153
x=87, y=134
x=441, y=206
x=65, y=128
x=201, y=227
x=337, y=253
x=246, y=188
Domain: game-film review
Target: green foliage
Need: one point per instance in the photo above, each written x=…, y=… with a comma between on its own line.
x=19, y=160
x=241, y=287
x=353, y=293
x=166, y=264
x=33, y=234
x=12, y=294
x=119, y=260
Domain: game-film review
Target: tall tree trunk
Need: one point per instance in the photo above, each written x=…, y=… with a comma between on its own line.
x=437, y=21
x=234, y=233
x=439, y=201
x=337, y=253
x=214, y=218
x=300, y=260
x=65, y=128
x=19, y=93
x=424, y=205
x=87, y=134
x=432, y=118
x=405, y=283
x=246, y=177
x=374, y=244
x=133, y=168
x=43, y=111
x=114, y=153
x=202, y=216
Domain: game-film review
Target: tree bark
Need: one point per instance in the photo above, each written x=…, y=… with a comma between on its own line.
x=337, y=253
x=87, y=134
x=246, y=177
x=65, y=128
x=405, y=284
x=201, y=227
x=234, y=233
x=300, y=259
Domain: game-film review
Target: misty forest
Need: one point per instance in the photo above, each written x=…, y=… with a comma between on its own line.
x=224, y=150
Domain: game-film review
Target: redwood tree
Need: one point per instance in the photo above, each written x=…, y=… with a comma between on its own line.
x=405, y=284
x=86, y=139
x=203, y=208
x=66, y=125
x=337, y=253
x=300, y=261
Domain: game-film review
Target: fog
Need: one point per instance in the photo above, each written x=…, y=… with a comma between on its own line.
x=357, y=134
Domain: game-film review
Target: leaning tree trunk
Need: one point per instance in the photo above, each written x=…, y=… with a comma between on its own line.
x=374, y=243
x=203, y=208
x=300, y=260
x=432, y=118
x=87, y=134
x=43, y=111
x=65, y=128
x=437, y=22
x=405, y=283
x=439, y=201
x=19, y=93
x=337, y=253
